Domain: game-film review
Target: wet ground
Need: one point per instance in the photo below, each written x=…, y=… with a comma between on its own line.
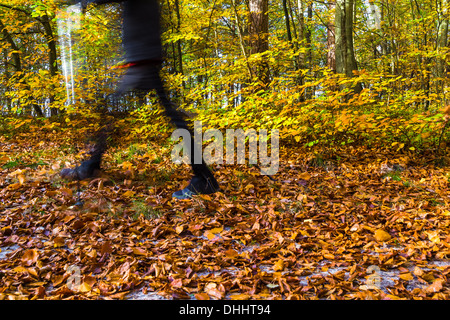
x=381, y=279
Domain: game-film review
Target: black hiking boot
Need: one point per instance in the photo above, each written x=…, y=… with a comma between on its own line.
x=87, y=169
x=200, y=184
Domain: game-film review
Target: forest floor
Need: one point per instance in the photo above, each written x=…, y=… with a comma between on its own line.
x=361, y=224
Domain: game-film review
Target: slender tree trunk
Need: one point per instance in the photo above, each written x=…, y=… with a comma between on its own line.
x=345, y=54
x=287, y=21
x=442, y=42
x=301, y=42
x=259, y=37
x=52, y=55
x=7, y=100
x=350, y=60
x=240, y=32
x=288, y=30
x=331, y=41
x=180, y=53
x=340, y=37
x=309, y=92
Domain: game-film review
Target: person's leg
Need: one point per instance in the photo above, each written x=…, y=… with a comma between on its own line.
x=141, y=38
x=203, y=181
x=90, y=167
x=143, y=49
x=146, y=77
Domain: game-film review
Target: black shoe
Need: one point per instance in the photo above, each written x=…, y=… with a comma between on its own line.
x=198, y=185
x=87, y=169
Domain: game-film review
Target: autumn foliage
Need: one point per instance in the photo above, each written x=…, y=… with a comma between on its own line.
x=359, y=208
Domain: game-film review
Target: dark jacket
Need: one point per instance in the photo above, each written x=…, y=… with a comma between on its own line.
x=141, y=29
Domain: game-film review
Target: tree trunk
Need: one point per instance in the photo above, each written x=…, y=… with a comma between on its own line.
x=52, y=55
x=350, y=60
x=331, y=41
x=180, y=53
x=259, y=40
x=340, y=40
x=240, y=32
x=309, y=92
x=345, y=55
x=287, y=21
x=301, y=37
x=442, y=42
x=288, y=31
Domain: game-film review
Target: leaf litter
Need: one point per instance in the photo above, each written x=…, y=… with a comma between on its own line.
x=350, y=230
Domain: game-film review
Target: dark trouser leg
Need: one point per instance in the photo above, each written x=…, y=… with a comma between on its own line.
x=88, y=168
x=145, y=77
x=177, y=119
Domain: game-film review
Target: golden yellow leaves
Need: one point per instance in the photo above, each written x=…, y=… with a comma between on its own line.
x=304, y=176
x=406, y=276
x=129, y=193
x=381, y=235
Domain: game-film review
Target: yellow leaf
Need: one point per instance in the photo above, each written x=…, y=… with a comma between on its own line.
x=126, y=165
x=406, y=276
x=249, y=186
x=328, y=256
x=84, y=287
x=381, y=235
x=66, y=192
x=230, y=253
x=20, y=269
x=278, y=266
x=129, y=193
x=428, y=276
x=201, y=296
x=433, y=236
x=58, y=242
x=179, y=229
x=205, y=197
x=14, y=186
x=305, y=176
x=33, y=272
x=217, y=230
x=239, y=296
x=209, y=234
x=21, y=178
x=92, y=253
